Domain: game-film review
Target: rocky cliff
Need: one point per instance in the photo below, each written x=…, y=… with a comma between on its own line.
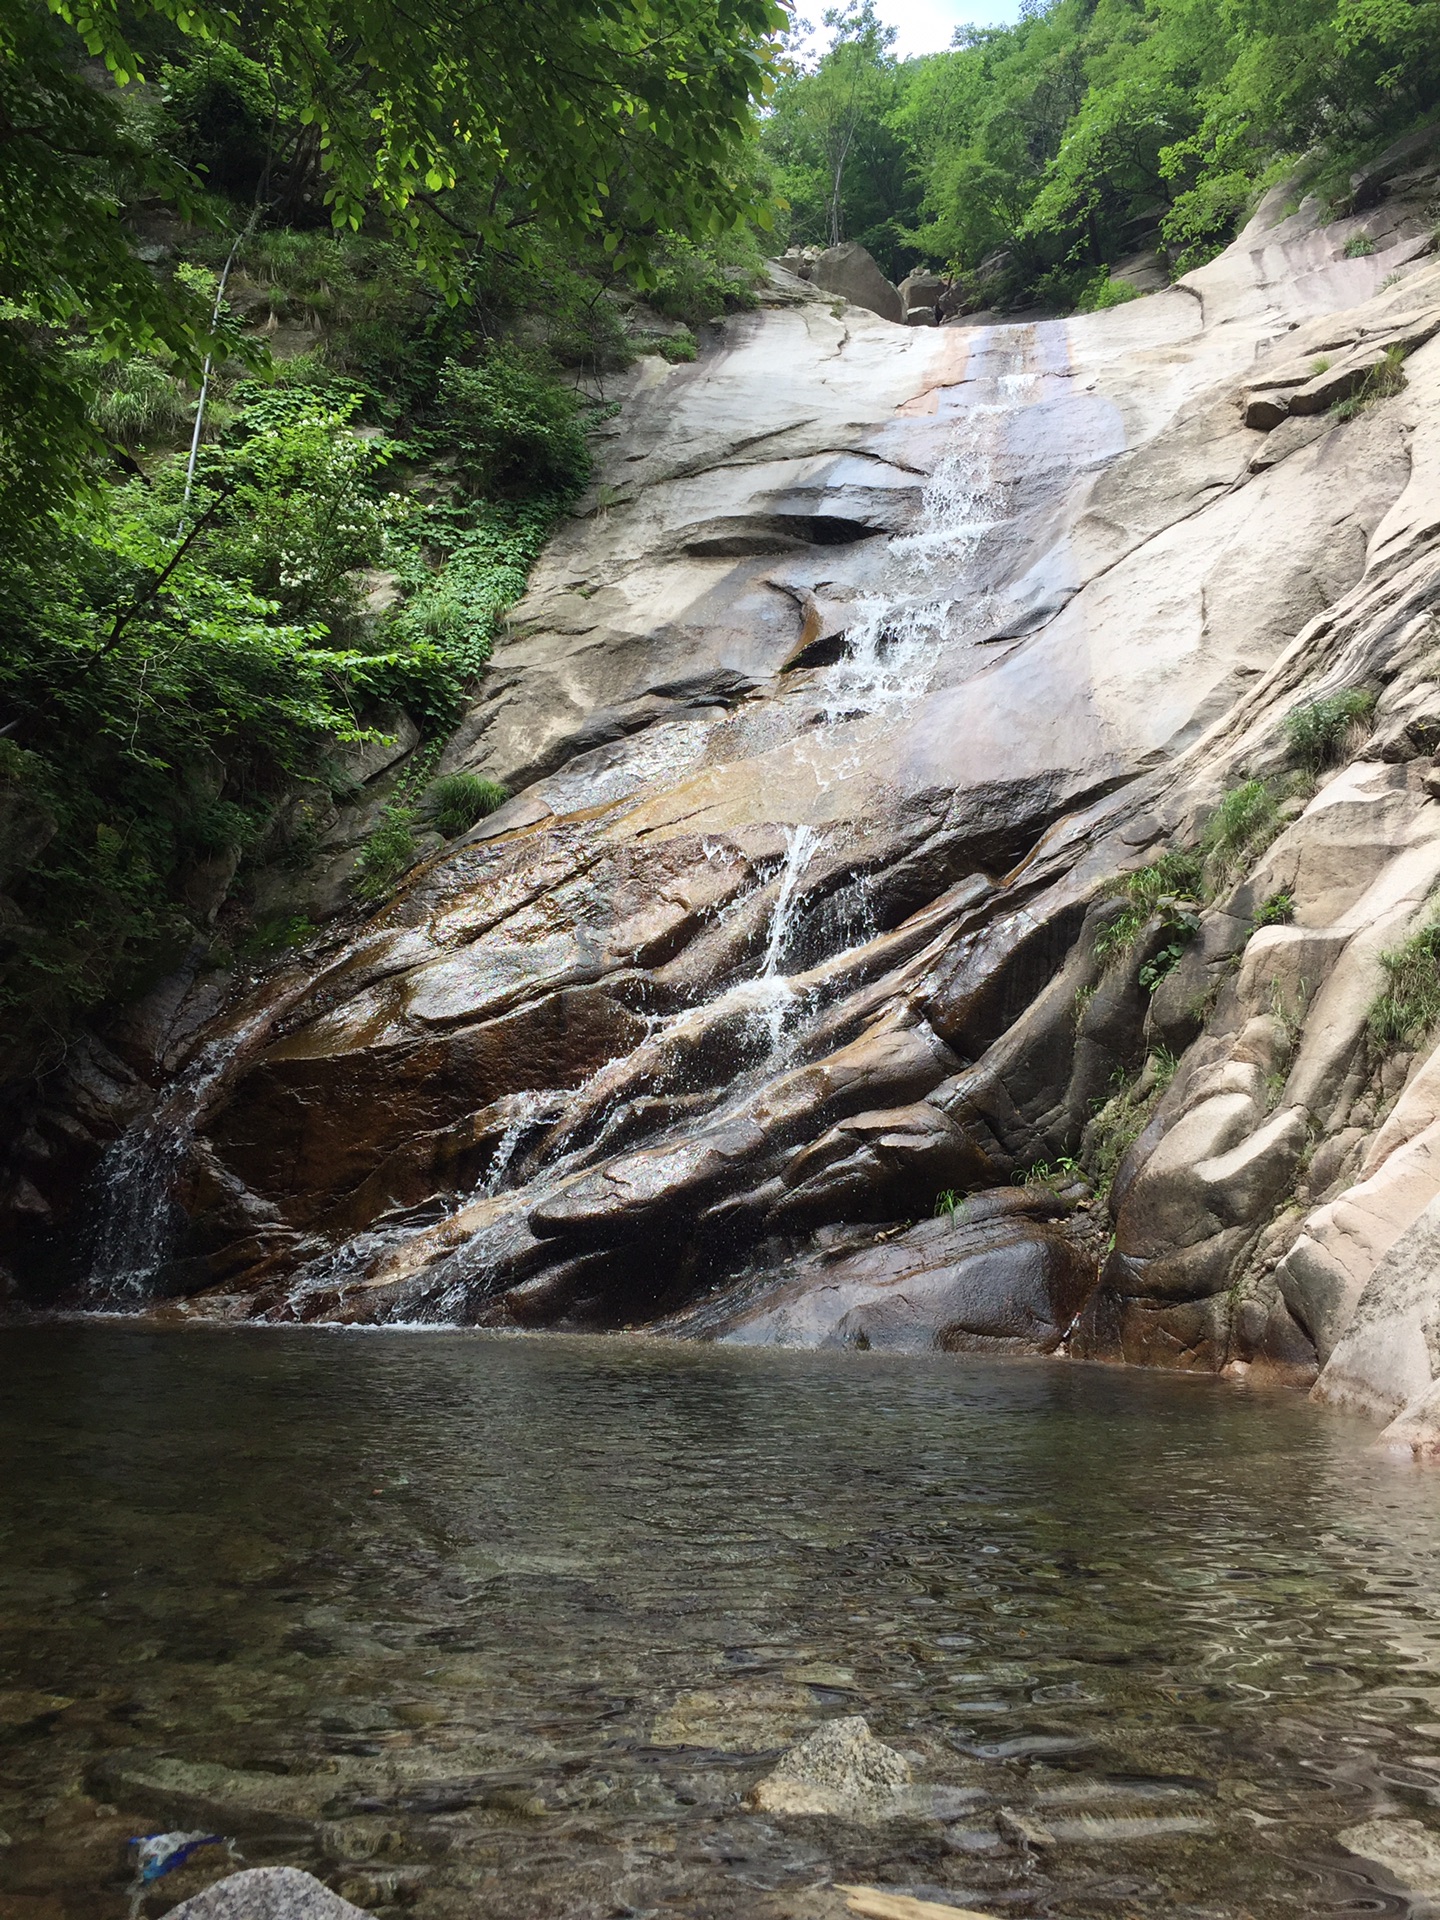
x=869, y=726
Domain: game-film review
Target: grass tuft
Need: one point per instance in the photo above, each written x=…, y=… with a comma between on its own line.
x=1318, y=730
x=1409, y=1005
x=1386, y=379
x=1273, y=912
x=457, y=800
x=1164, y=887
x=388, y=852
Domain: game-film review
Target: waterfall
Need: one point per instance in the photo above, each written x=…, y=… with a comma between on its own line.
x=895, y=642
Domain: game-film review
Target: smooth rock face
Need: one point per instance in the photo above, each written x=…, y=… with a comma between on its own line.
x=268, y=1893
x=833, y=715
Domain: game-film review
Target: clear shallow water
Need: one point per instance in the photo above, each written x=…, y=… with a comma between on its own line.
x=484, y=1627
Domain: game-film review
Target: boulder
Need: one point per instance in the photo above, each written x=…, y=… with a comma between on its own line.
x=841, y=1770
x=268, y=1893
x=1389, y=1353
x=850, y=271
x=1406, y=1849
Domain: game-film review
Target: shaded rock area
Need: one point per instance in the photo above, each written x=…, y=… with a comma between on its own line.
x=836, y=718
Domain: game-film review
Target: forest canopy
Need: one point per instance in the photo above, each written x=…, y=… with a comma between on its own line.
x=306, y=313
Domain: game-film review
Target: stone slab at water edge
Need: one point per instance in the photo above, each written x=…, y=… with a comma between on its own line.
x=836, y=719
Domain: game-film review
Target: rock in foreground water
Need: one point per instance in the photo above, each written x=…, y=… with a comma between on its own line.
x=268, y=1893
x=841, y=1769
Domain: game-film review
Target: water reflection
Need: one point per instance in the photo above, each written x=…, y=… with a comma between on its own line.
x=482, y=1627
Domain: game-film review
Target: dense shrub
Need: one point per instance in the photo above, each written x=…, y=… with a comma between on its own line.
x=1317, y=731
x=457, y=800
x=514, y=427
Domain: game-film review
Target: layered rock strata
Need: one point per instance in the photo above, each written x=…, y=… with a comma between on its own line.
x=835, y=718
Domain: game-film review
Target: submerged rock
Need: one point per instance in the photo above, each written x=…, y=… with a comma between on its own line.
x=841, y=1770
x=268, y=1893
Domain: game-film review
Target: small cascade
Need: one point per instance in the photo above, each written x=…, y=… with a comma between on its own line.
x=131, y=1214
x=893, y=647
x=133, y=1217
x=773, y=995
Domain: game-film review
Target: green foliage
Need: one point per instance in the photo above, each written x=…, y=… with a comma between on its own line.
x=1379, y=384
x=1052, y=148
x=168, y=689
x=676, y=348
x=482, y=574
x=1273, y=911
x=1409, y=1005
x=1316, y=731
x=1168, y=887
x=696, y=283
x=1164, y=963
x=1103, y=292
x=1358, y=246
x=457, y=800
x=136, y=403
x=514, y=428
x=1242, y=826
x=389, y=851
x=951, y=1206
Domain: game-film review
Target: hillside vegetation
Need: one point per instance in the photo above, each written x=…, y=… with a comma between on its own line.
x=1090, y=130
x=303, y=327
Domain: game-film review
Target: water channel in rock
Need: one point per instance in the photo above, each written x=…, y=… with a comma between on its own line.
x=491, y=1626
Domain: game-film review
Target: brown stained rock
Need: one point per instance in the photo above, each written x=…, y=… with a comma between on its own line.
x=307, y=1129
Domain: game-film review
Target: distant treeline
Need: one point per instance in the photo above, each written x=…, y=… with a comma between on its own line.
x=1090, y=129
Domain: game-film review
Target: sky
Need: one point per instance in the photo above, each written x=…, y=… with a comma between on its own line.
x=922, y=26
x=926, y=25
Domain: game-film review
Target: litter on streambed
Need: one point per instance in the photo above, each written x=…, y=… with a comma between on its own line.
x=157, y=1854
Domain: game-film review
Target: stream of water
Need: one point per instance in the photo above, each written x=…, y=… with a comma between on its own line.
x=484, y=1629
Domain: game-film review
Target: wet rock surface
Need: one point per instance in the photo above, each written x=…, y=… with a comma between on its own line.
x=835, y=719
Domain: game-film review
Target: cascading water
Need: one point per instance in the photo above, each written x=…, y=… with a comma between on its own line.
x=895, y=642
x=655, y=1095
x=703, y=1061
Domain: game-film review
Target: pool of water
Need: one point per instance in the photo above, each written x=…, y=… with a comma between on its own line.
x=495, y=1628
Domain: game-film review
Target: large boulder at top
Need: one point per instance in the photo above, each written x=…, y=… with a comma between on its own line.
x=920, y=295
x=850, y=271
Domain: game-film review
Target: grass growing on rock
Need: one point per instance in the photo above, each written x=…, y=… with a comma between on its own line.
x=389, y=851
x=1168, y=886
x=1242, y=826
x=1409, y=1004
x=456, y=801
x=1318, y=731
x=1386, y=379
x=1120, y=1121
